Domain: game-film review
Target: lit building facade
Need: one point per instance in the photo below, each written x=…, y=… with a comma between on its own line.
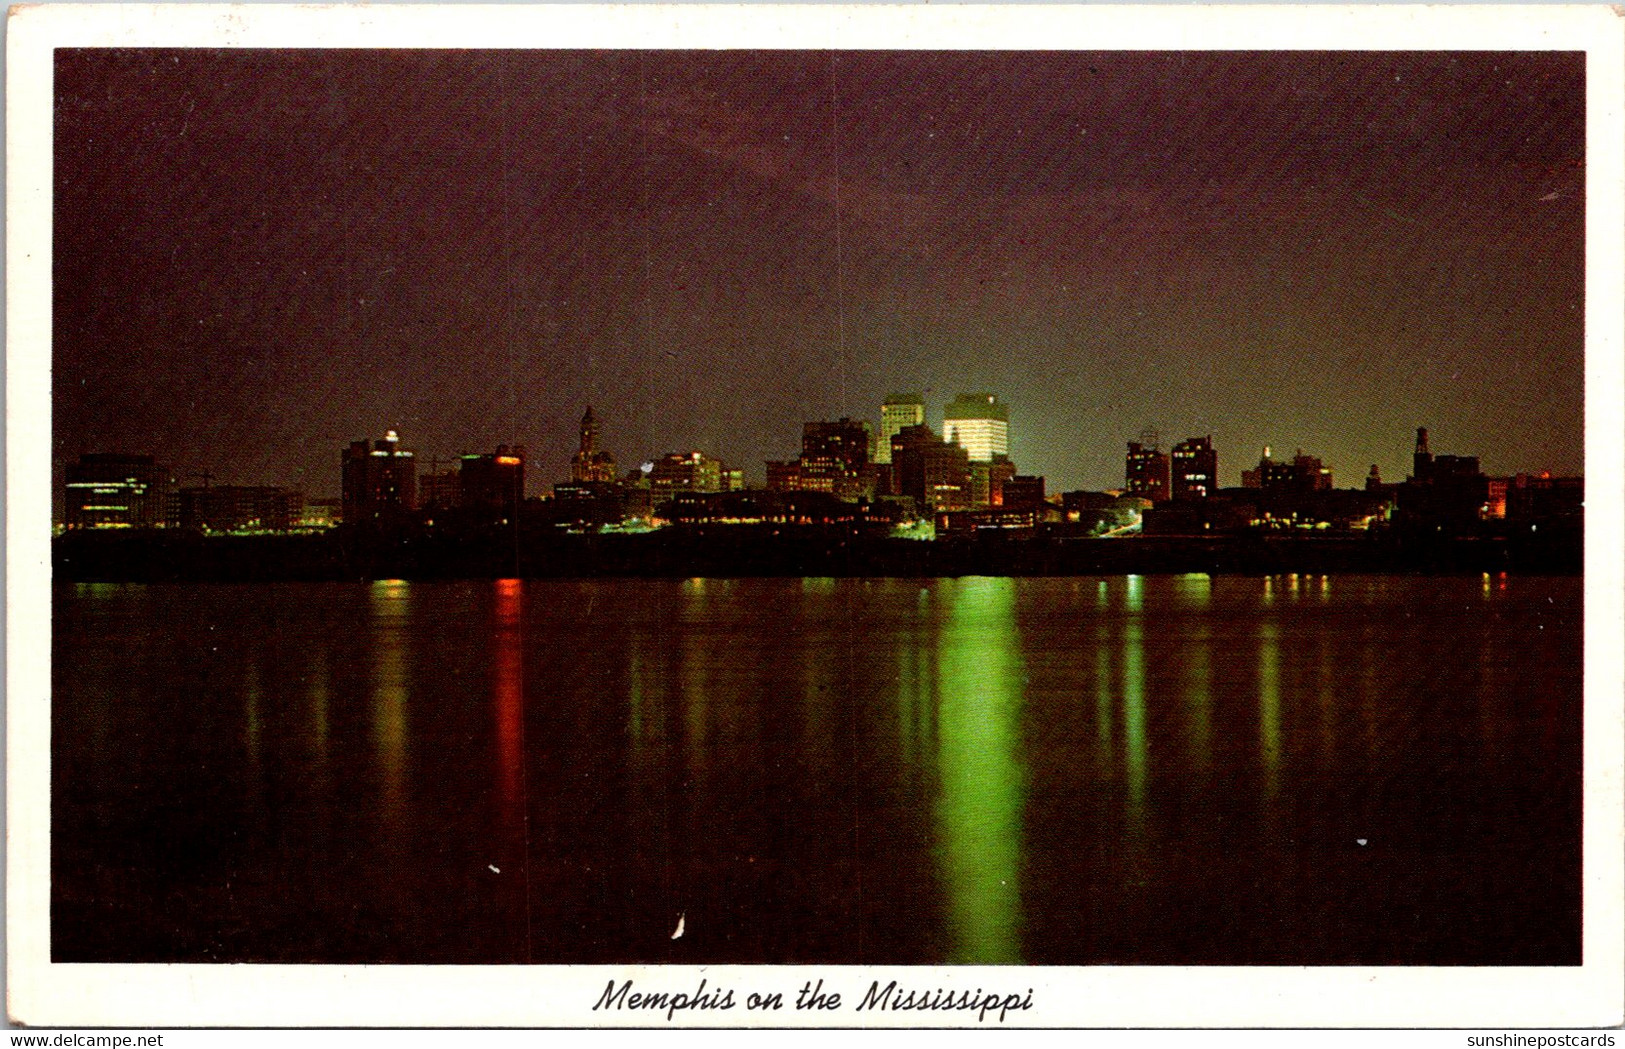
x=321, y=513
x=1025, y=493
x=1304, y=473
x=380, y=479
x=831, y=449
x=1145, y=472
x=987, y=481
x=107, y=490
x=980, y=424
x=935, y=474
x=1194, y=468
x=591, y=463
x=233, y=508
x=685, y=472
x=835, y=458
x=898, y=411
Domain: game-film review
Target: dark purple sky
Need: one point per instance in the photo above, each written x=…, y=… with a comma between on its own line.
x=263, y=255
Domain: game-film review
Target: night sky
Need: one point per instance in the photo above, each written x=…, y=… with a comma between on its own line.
x=263, y=255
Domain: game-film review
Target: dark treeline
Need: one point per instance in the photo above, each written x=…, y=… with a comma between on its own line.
x=771, y=550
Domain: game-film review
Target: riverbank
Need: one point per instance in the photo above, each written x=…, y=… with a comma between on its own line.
x=724, y=551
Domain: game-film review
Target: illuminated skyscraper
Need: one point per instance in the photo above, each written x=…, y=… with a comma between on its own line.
x=379, y=480
x=1195, y=468
x=1145, y=471
x=935, y=473
x=980, y=424
x=685, y=472
x=898, y=411
x=590, y=463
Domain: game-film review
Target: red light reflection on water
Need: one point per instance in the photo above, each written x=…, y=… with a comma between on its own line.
x=508, y=687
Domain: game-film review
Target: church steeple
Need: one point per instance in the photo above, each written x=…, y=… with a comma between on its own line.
x=590, y=464
x=589, y=433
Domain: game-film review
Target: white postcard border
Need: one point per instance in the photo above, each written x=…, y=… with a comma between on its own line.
x=43, y=993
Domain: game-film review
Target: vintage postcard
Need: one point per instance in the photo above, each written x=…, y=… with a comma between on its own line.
x=712, y=516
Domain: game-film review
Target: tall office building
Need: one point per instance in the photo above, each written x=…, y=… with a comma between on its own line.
x=987, y=481
x=1145, y=472
x=898, y=410
x=1422, y=458
x=590, y=463
x=980, y=424
x=685, y=472
x=937, y=474
x=438, y=490
x=493, y=482
x=380, y=480
x=1304, y=473
x=106, y=490
x=835, y=458
x=1195, y=468
x=1447, y=492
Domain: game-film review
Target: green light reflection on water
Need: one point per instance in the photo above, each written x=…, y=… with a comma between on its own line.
x=1134, y=594
x=1134, y=724
x=983, y=791
x=917, y=692
x=1103, y=700
x=1196, y=592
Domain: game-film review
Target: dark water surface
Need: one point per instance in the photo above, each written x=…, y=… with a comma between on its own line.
x=1150, y=770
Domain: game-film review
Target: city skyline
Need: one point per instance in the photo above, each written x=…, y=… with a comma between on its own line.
x=1310, y=249
x=1232, y=470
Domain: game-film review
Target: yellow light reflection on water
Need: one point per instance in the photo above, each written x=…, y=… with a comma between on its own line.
x=1194, y=589
x=1269, y=704
x=979, y=813
x=693, y=678
x=391, y=611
